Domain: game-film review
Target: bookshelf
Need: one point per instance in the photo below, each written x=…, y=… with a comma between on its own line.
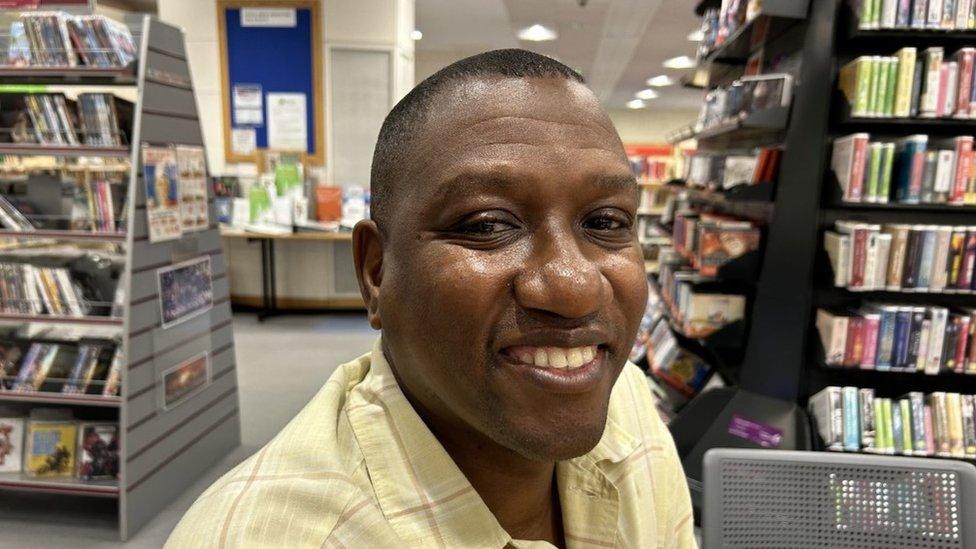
x=784, y=362
x=161, y=451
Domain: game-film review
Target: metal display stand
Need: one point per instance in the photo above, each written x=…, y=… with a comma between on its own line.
x=162, y=452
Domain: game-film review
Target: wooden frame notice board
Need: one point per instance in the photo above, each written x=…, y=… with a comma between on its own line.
x=281, y=55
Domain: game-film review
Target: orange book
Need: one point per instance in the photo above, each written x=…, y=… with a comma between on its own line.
x=328, y=203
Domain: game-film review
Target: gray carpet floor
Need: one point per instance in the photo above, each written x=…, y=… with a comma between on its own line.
x=281, y=363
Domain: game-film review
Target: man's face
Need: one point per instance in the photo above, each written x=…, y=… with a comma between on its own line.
x=512, y=281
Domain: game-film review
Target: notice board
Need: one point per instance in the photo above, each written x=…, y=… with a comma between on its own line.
x=271, y=66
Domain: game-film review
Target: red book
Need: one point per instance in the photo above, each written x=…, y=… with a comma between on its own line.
x=968, y=262
x=918, y=167
x=943, y=90
x=859, y=243
x=964, y=159
x=870, y=348
x=854, y=348
x=964, y=58
x=855, y=187
x=963, y=343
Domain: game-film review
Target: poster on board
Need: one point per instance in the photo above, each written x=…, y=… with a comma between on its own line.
x=185, y=290
x=160, y=175
x=184, y=380
x=287, y=122
x=194, y=209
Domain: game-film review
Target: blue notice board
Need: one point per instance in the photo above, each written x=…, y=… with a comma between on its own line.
x=278, y=59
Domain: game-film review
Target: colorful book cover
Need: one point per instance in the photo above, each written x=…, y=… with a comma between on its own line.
x=920, y=435
x=886, y=338
x=903, y=325
x=897, y=428
x=872, y=327
x=11, y=444
x=98, y=451
x=51, y=447
x=161, y=178
x=888, y=420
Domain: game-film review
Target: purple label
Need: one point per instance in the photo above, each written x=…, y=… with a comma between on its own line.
x=764, y=435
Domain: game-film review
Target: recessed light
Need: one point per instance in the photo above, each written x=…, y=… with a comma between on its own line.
x=416, y=35
x=636, y=104
x=660, y=81
x=647, y=94
x=537, y=33
x=680, y=62
x=696, y=35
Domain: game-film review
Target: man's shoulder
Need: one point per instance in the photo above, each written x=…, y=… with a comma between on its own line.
x=301, y=482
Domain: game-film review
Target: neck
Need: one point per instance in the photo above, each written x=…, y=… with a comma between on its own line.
x=521, y=493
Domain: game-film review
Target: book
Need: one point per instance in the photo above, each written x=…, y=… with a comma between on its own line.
x=98, y=451
x=909, y=163
x=11, y=444
x=903, y=87
x=852, y=428
x=833, y=335
x=929, y=95
x=827, y=409
x=855, y=82
x=940, y=423
x=968, y=426
x=916, y=403
x=897, y=427
x=51, y=448
x=963, y=155
x=848, y=164
x=953, y=406
x=939, y=317
x=866, y=401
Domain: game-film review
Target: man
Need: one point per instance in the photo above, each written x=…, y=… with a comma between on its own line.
x=502, y=267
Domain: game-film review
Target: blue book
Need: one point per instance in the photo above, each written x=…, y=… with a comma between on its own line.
x=886, y=338
x=897, y=428
x=927, y=257
x=903, y=324
x=909, y=160
x=904, y=15
x=852, y=411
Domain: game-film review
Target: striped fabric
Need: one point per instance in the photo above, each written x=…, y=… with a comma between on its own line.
x=358, y=468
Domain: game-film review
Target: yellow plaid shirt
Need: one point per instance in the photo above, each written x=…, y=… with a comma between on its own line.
x=359, y=468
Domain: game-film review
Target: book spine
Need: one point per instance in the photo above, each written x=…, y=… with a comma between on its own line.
x=880, y=428
x=968, y=426
x=871, y=330
x=859, y=242
x=913, y=250
x=866, y=401
x=886, y=338
x=939, y=275
x=927, y=256
x=930, y=447
x=917, y=158
x=966, y=276
x=953, y=404
x=903, y=89
x=873, y=173
x=964, y=155
x=930, y=89
x=852, y=428
x=855, y=186
x=962, y=342
x=887, y=163
x=904, y=407
x=957, y=248
x=919, y=436
x=914, y=338
x=940, y=422
x=862, y=87
x=923, y=345
x=888, y=420
x=903, y=326
x=896, y=259
x=871, y=260
x=855, y=341
x=939, y=317
x=965, y=59
x=951, y=88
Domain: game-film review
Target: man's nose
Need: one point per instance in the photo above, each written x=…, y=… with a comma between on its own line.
x=559, y=279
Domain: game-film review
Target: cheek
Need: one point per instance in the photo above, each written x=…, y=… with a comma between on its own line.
x=625, y=272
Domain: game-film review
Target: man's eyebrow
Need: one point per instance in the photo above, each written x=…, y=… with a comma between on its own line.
x=471, y=183
x=615, y=181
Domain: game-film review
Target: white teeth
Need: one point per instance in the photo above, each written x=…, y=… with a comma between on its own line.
x=541, y=357
x=574, y=358
x=557, y=357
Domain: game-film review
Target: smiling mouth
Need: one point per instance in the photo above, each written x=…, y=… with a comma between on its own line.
x=554, y=358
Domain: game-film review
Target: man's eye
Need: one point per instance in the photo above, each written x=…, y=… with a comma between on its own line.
x=605, y=223
x=484, y=227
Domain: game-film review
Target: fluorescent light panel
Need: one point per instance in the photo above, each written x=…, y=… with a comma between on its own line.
x=647, y=94
x=696, y=35
x=680, y=62
x=416, y=35
x=636, y=104
x=537, y=33
x=660, y=81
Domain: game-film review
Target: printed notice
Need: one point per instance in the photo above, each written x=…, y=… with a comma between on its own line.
x=762, y=434
x=161, y=177
x=243, y=140
x=287, y=124
x=269, y=17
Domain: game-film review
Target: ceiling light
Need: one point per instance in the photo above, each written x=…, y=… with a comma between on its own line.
x=680, y=62
x=660, y=81
x=647, y=94
x=636, y=104
x=416, y=35
x=696, y=35
x=537, y=33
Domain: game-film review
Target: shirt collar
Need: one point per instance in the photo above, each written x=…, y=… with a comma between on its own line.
x=425, y=497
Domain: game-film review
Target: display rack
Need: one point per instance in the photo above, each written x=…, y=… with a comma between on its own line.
x=784, y=364
x=162, y=452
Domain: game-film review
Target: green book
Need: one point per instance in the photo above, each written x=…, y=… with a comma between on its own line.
x=906, y=429
x=867, y=14
x=881, y=87
x=887, y=167
x=876, y=6
x=906, y=76
x=879, y=426
x=874, y=91
x=892, y=81
x=889, y=446
x=874, y=173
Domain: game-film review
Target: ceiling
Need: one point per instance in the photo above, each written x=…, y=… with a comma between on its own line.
x=616, y=44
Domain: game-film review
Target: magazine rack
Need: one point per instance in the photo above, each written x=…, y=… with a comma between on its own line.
x=161, y=451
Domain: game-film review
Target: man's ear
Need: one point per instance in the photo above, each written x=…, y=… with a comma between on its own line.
x=367, y=252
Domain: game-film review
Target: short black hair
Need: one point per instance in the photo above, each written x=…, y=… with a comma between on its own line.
x=410, y=114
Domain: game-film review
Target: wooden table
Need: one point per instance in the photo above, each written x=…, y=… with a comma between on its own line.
x=269, y=294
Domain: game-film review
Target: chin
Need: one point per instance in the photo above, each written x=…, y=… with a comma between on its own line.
x=554, y=444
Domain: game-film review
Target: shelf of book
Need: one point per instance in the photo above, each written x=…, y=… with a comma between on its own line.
x=62, y=76
x=64, y=235
x=59, y=485
x=57, y=319
x=764, y=125
x=740, y=45
x=62, y=399
x=63, y=150
x=905, y=126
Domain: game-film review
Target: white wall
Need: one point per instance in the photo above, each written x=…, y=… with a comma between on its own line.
x=649, y=125
x=368, y=23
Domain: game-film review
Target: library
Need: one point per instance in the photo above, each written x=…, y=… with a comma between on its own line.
x=488, y=273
